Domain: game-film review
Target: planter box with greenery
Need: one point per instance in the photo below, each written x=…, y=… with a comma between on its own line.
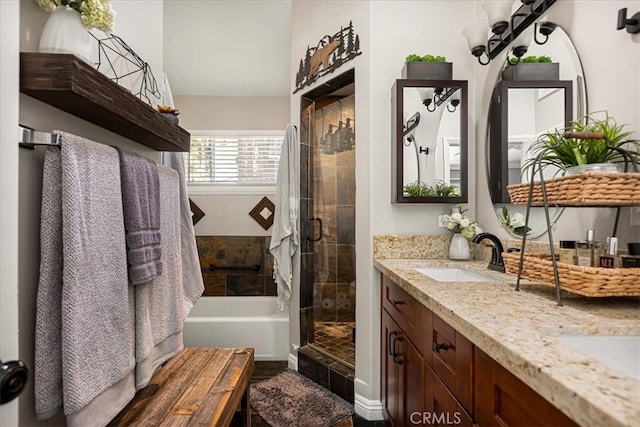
x=427, y=67
x=595, y=147
x=532, y=68
x=569, y=152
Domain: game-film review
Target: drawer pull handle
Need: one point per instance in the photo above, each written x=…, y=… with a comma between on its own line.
x=437, y=347
x=397, y=302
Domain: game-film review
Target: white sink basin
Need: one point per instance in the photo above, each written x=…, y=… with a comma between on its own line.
x=454, y=274
x=620, y=352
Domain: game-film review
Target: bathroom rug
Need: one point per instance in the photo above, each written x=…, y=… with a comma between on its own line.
x=290, y=399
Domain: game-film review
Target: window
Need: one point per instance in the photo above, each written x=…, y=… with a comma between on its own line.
x=229, y=159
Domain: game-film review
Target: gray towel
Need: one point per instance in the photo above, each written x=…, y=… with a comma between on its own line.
x=192, y=282
x=141, y=204
x=158, y=304
x=84, y=346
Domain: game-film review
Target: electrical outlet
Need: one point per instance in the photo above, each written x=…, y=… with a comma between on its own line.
x=441, y=221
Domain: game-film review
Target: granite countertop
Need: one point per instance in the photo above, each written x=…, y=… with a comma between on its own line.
x=517, y=329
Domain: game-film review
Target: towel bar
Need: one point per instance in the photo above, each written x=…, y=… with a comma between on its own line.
x=214, y=267
x=29, y=138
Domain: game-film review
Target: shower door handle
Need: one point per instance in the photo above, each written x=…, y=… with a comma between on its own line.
x=311, y=230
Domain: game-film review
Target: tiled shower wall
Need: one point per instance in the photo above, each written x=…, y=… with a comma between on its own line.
x=236, y=251
x=334, y=193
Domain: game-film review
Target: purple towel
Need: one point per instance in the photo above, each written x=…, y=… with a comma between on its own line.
x=141, y=206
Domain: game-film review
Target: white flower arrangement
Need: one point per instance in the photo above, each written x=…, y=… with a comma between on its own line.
x=459, y=223
x=514, y=224
x=94, y=13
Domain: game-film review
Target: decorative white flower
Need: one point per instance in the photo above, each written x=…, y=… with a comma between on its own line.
x=94, y=13
x=514, y=224
x=461, y=224
x=517, y=220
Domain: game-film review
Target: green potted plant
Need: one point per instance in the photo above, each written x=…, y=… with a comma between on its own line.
x=531, y=68
x=429, y=67
x=418, y=189
x=573, y=155
x=441, y=189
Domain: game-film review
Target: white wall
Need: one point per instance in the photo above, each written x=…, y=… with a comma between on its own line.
x=9, y=70
x=228, y=214
x=200, y=113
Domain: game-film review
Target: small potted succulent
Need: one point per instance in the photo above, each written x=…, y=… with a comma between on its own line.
x=572, y=155
x=531, y=68
x=169, y=112
x=429, y=67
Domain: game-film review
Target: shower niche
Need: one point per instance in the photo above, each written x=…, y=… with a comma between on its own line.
x=429, y=132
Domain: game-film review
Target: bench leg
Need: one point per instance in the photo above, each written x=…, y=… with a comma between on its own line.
x=245, y=409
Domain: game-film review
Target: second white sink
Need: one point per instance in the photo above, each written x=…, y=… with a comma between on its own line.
x=620, y=352
x=454, y=274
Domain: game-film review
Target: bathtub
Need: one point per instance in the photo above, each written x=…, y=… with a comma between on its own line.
x=239, y=322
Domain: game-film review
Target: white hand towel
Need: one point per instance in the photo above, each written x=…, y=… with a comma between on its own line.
x=192, y=282
x=284, y=235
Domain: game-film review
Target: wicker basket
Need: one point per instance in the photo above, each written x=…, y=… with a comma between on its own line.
x=585, y=189
x=587, y=281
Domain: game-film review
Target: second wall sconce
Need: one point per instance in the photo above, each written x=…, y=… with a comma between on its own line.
x=506, y=28
x=632, y=25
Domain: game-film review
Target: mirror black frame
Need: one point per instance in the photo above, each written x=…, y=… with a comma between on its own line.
x=497, y=166
x=397, y=128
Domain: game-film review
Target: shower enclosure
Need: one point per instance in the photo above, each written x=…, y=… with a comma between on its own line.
x=328, y=191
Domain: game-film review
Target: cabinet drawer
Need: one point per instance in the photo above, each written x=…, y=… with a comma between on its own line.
x=399, y=304
x=451, y=361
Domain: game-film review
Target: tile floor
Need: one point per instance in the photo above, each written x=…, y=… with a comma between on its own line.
x=336, y=338
x=266, y=369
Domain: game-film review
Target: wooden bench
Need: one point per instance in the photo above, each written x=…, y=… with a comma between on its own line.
x=198, y=387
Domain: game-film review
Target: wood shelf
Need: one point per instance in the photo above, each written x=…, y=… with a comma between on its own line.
x=70, y=84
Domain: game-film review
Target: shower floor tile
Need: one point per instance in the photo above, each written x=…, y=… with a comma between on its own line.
x=336, y=338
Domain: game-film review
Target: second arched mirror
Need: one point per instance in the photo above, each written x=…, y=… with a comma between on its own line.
x=523, y=108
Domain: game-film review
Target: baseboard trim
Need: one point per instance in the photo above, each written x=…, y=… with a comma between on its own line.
x=293, y=362
x=370, y=410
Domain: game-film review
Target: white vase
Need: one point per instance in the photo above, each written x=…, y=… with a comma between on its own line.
x=64, y=32
x=459, y=247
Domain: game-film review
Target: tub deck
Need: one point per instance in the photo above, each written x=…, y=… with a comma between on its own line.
x=200, y=386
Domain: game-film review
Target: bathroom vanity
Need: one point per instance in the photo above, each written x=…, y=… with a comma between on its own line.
x=480, y=353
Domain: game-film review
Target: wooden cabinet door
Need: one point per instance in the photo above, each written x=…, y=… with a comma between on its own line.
x=402, y=374
x=501, y=399
x=412, y=384
x=440, y=406
x=390, y=378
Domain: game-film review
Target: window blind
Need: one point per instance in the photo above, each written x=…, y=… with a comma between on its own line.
x=233, y=159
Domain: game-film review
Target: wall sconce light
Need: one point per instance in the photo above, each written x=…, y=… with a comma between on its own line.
x=632, y=25
x=432, y=98
x=505, y=28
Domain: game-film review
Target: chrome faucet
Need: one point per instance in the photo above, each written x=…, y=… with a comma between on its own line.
x=496, y=263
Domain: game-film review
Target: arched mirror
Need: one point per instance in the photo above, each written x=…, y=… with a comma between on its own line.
x=429, y=155
x=521, y=109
